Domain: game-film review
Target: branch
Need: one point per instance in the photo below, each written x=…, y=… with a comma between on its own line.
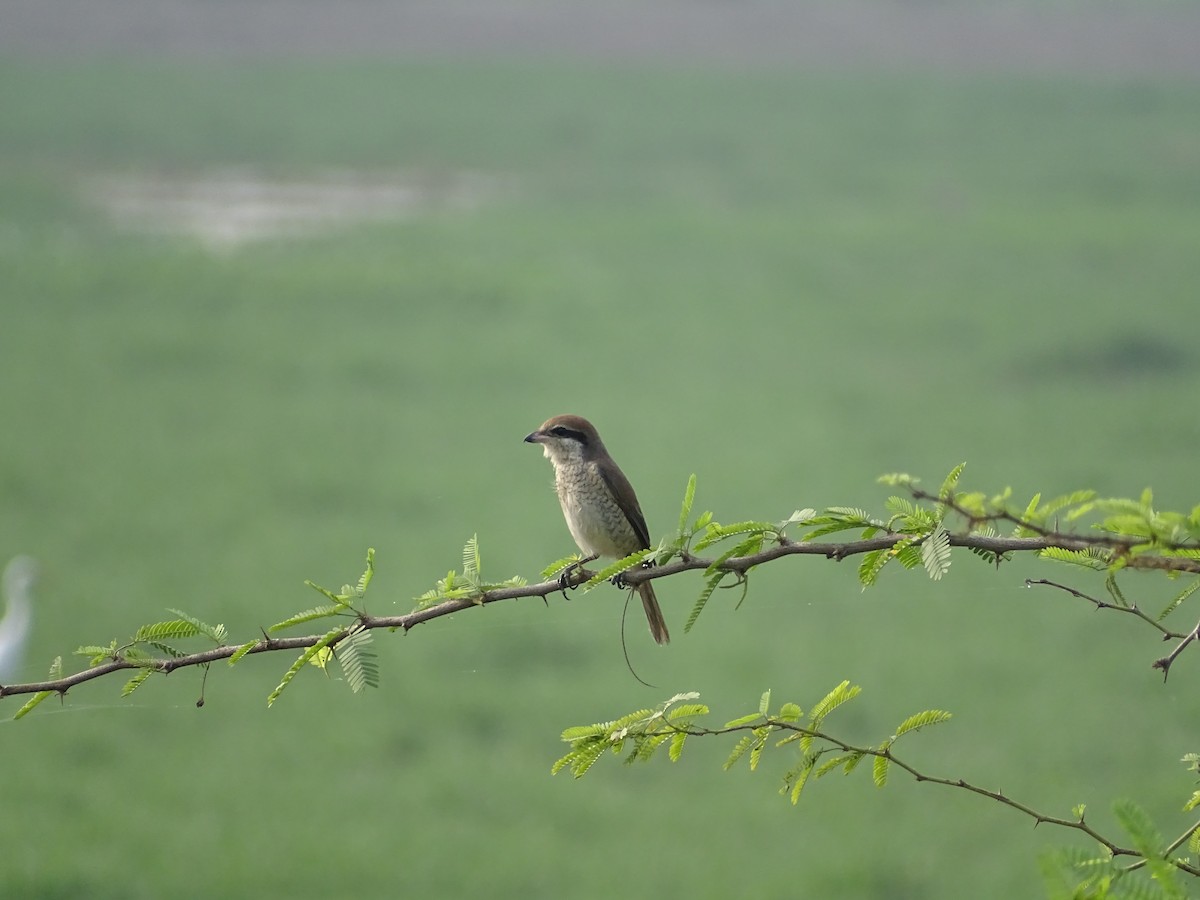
x=838, y=551
x=1079, y=824
x=169, y=664
x=1133, y=609
x=737, y=565
x=1164, y=663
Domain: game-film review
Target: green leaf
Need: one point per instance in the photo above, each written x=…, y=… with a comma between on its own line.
x=560, y=565
x=843, y=693
x=1031, y=509
x=621, y=565
x=828, y=528
x=471, y=562
x=357, y=660
x=166, y=649
x=1080, y=511
x=580, y=758
x=1114, y=591
x=1075, y=498
x=852, y=762
x=901, y=506
x=908, y=554
x=751, y=545
x=921, y=720
x=364, y=580
x=580, y=732
x=97, y=652
x=951, y=481
x=739, y=750
x=854, y=514
x=646, y=747
x=242, y=651
x=317, y=612
x=1127, y=525
x=216, y=633
x=935, y=553
x=790, y=712
x=321, y=658
x=716, y=533
x=764, y=703
x=1140, y=827
x=743, y=720
x=709, y=586
x=880, y=766
x=830, y=764
x=799, y=776
x=1094, y=558
x=31, y=703
x=136, y=681
x=1194, y=843
x=686, y=511
x=761, y=735
x=300, y=663
x=974, y=503
x=872, y=564
x=1178, y=599
x=336, y=598
x=897, y=479
x=676, y=748
x=799, y=516
x=177, y=628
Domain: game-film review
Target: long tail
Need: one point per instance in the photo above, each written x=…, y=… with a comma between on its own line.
x=654, y=615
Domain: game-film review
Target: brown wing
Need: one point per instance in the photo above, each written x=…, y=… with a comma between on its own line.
x=619, y=485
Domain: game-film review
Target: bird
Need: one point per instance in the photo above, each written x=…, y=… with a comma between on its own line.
x=19, y=577
x=597, y=500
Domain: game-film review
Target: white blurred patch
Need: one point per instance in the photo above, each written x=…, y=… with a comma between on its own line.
x=228, y=208
x=16, y=585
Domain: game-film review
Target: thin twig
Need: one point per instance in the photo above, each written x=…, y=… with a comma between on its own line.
x=1165, y=662
x=1039, y=818
x=1104, y=604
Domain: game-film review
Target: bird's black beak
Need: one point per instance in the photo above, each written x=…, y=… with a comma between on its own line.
x=535, y=437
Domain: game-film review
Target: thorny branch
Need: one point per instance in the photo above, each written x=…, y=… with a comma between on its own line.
x=737, y=566
x=1039, y=818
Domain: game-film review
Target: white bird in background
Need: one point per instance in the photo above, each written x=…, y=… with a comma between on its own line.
x=19, y=577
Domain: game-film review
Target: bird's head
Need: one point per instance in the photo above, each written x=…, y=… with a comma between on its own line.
x=567, y=439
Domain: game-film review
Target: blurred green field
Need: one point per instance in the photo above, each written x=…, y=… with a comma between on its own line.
x=785, y=283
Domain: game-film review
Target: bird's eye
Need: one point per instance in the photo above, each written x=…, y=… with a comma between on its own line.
x=563, y=431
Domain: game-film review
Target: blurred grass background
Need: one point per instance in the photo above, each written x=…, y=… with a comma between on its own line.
x=784, y=281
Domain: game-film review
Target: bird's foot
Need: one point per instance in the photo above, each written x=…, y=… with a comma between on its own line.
x=568, y=574
x=619, y=580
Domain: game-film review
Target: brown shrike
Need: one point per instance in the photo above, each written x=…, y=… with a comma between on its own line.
x=598, y=501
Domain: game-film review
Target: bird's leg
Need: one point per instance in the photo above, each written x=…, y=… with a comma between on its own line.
x=618, y=580
x=564, y=578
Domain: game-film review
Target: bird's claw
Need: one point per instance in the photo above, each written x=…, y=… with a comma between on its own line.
x=565, y=577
